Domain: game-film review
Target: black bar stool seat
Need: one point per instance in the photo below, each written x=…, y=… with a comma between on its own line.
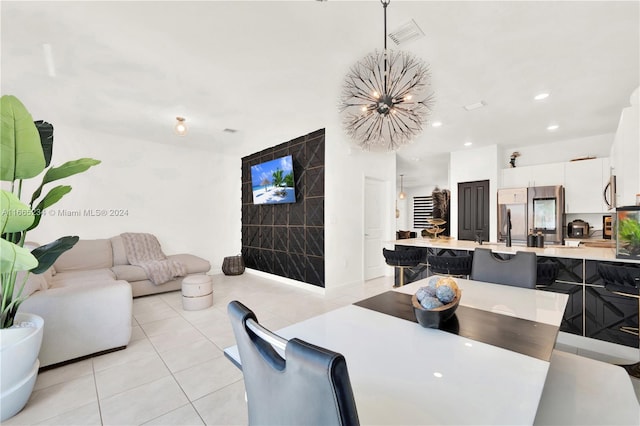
x=401, y=259
x=547, y=272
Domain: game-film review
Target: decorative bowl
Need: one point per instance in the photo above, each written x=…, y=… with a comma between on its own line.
x=433, y=318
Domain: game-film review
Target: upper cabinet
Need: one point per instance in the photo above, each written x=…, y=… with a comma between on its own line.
x=540, y=175
x=625, y=153
x=584, y=183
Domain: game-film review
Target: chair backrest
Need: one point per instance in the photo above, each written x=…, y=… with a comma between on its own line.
x=309, y=386
x=403, y=257
x=519, y=271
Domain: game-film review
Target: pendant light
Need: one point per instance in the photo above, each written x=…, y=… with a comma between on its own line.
x=386, y=97
x=181, y=127
x=402, y=195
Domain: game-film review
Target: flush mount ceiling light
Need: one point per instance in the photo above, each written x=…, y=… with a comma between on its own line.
x=552, y=127
x=541, y=96
x=385, y=98
x=181, y=126
x=436, y=124
x=402, y=195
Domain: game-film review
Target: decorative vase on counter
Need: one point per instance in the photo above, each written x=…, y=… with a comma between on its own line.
x=19, y=348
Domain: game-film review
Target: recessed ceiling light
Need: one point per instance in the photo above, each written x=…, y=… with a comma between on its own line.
x=468, y=143
x=477, y=105
x=552, y=127
x=541, y=96
x=436, y=124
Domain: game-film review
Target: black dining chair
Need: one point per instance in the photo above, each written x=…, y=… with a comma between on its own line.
x=624, y=280
x=310, y=385
x=519, y=271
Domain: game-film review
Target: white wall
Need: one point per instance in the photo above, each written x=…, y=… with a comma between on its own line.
x=345, y=170
x=473, y=165
x=188, y=198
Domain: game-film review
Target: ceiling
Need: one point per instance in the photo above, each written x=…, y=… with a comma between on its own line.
x=276, y=68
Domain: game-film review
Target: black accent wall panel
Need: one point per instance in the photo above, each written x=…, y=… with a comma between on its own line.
x=288, y=239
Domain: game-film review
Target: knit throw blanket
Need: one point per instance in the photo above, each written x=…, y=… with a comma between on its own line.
x=144, y=250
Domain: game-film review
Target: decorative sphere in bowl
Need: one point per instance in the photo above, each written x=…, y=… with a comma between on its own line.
x=435, y=316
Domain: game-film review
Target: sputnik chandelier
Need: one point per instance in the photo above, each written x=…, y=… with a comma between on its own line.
x=386, y=98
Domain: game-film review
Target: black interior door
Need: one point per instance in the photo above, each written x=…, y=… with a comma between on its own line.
x=473, y=210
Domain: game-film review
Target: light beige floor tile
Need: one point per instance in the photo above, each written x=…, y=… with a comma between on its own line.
x=143, y=403
x=64, y=374
x=129, y=375
x=203, y=316
x=171, y=340
x=207, y=377
x=185, y=415
x=175, y=324
x=158, y=313
x=226, y=406
x=186, y=356
x=223, y=340
x=87, y=415
x=55, y=400
x=136, y=349
x=137, y=333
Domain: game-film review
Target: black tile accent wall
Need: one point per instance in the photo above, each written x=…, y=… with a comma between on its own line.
x=288, y=239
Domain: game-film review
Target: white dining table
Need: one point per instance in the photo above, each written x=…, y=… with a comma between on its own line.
x=403, y=373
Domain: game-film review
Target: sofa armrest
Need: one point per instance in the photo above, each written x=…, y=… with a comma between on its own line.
x=82, y=320
x=193, y=264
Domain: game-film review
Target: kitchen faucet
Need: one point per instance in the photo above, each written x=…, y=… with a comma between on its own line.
x=508, y=227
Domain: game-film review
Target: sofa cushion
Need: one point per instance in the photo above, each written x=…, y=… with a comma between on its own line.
x=86, y=254
x=193, y=264
x=73, y=278
x=129, y=273
x=119, y=252
x=35, y=282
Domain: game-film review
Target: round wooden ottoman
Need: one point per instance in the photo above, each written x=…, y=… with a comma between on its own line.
x=197, y=292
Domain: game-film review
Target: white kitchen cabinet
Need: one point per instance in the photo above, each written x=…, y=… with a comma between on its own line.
x=625, y=153
x=538, y=175
x=584, y=184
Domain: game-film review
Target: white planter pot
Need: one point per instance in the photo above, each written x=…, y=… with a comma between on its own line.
x=19, y=348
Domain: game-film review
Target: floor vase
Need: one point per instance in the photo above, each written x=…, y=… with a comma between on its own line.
x=19, y=348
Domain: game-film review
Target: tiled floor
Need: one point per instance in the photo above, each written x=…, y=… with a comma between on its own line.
x=174, y=372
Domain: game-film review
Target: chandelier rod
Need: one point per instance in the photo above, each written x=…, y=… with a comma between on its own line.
x=385, y=3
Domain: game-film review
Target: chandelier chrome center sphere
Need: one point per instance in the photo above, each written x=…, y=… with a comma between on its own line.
x=385, y=98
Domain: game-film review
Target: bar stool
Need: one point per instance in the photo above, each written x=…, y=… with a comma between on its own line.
x=623, y=281
x=547, y=272
x=453, y=266
x=402, y=259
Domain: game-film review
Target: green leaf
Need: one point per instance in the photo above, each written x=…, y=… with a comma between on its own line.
x=21, y=154
x=16, y=216
x=49, y=253
x=15, y=258
x=50, y=199
x=69, y=168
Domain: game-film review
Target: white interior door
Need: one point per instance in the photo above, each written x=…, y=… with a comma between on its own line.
x=374, y=227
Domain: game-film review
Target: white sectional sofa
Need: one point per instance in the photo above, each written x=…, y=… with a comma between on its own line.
x=85, y=298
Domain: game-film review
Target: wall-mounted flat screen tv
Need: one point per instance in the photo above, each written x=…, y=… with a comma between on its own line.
x=272, y=182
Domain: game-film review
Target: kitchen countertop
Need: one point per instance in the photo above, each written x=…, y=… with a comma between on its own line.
x=581, y=252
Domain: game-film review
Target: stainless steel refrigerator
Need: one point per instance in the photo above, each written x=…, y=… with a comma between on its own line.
x=535, y=209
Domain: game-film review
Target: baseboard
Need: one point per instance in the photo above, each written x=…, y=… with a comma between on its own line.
x=82, y=358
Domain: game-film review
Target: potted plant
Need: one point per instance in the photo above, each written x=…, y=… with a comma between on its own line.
x=22, y=157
